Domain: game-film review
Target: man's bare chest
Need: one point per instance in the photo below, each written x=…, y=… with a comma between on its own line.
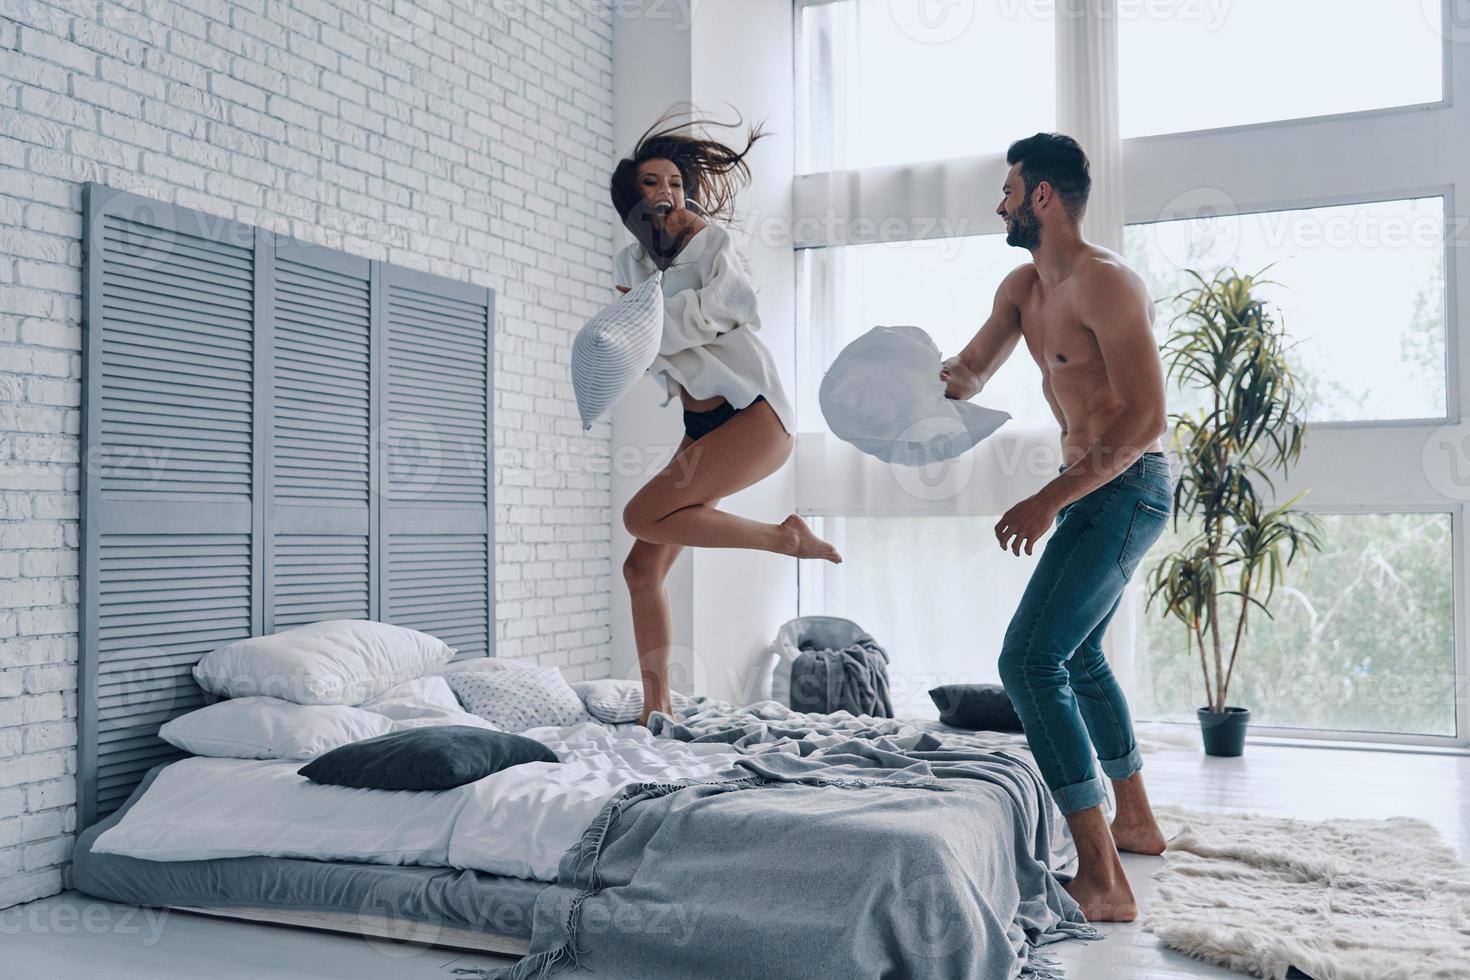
x=1059, y=342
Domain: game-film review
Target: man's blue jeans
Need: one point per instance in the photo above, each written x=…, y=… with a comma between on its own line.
x=1052, y=661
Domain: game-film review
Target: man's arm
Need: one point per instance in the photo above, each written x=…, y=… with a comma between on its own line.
x=1117, y=309
x=969, y=371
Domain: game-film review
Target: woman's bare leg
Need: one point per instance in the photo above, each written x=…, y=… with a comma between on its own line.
x=675, y=507
x=645, y=569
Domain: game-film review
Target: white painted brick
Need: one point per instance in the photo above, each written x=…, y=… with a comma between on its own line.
x=47, y=854
x=49, y=735
x=12, y=802
x=40, y=680
x=39, y=826
x=96, y=37
x=50, y=794
x=28, y=887
x=37, y=707
x=58, y=50
x=396, y=131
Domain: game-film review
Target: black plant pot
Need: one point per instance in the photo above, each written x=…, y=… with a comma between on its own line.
x=1224, y=731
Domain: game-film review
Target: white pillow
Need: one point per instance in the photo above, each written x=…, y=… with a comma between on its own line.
x=339, y=661
x=420, y=702
x=617, y=701
x=883, y=394
x=616, y=347
x=515, y=700
x=269, y=728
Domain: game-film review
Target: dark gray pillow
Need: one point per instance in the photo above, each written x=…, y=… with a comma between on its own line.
x=978, y=707
x=432, y=757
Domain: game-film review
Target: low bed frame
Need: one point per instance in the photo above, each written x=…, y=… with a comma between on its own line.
x=274, y=433
x=375, y=927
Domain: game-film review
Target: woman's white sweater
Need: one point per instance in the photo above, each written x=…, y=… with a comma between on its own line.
x=709, y=343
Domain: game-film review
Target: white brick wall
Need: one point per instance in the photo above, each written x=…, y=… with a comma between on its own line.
x=469, y=138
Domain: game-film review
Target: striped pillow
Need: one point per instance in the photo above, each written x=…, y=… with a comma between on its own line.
x=616, y=347
x=619, y=701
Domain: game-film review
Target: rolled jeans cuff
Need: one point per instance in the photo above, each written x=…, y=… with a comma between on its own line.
x=1080, y=796
x=1124, y=766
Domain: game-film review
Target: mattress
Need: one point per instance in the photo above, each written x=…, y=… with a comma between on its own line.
x=362, y=898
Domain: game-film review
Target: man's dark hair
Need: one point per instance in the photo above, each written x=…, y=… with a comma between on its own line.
x=1059, y=161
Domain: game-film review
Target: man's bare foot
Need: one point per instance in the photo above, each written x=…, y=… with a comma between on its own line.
x=1138, y=838
x=806, y=544
x=1104, y=900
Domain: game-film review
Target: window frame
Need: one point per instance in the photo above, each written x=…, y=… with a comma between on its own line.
x=1417, y=150
x=1456, y=514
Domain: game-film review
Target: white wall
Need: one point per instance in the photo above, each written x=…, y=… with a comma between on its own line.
x=651, y=73
x=469, y=139
x=743, y=57
x=727, y=604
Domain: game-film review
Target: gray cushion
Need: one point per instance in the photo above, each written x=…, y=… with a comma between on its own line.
x=978, y=707
x=432, y=758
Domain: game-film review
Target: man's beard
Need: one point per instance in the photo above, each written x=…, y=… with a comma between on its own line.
x=1024, y=231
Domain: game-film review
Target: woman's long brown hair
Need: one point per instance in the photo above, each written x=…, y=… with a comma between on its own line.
x=712, y=172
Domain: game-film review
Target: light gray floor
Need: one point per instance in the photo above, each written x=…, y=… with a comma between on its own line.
x=72, y=936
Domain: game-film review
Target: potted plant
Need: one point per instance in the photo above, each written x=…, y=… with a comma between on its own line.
x=1227, y=344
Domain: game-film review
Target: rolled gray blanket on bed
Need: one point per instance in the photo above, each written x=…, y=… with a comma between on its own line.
x=869, y=857
x=854, y=678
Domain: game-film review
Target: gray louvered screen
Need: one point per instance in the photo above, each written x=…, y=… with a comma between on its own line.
x=442, y=579
x=319, y=503
x=235, y=381
x=437, y=515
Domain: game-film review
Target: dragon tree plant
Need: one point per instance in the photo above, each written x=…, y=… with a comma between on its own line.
x=1227, y=343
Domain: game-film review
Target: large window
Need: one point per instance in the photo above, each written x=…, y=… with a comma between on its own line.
x=944, y=285
x=1187, y=66
x=1365, y=643
x=1360, y=286
x=935, y=592
x=915, y=80
x=1347, y=202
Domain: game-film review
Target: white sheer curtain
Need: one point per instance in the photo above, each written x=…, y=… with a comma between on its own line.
x=935, y=201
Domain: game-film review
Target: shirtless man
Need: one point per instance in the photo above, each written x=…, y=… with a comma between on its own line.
x=1087, y=321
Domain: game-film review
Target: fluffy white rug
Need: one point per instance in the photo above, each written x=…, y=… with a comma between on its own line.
x=1337, y=899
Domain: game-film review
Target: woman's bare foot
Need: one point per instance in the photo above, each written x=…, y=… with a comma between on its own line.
x=643, y=716
x=1141, y=838
x=1104, y=899
x=806, y=544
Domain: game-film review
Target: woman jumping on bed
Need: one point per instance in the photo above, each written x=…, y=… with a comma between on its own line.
x=737, y=422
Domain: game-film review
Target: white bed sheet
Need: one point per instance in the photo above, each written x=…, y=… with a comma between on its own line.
x=516, y=822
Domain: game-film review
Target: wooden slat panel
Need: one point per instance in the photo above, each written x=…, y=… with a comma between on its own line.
x=174, y=417
x=164, y=600
x=233, y=382
x=436, y=547
x=322, y=386
x=440, y=583
x=319, y=577
x=438, y=398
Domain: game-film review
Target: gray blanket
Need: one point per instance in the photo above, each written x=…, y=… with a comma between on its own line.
x=897, y=854
x=854, y=678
